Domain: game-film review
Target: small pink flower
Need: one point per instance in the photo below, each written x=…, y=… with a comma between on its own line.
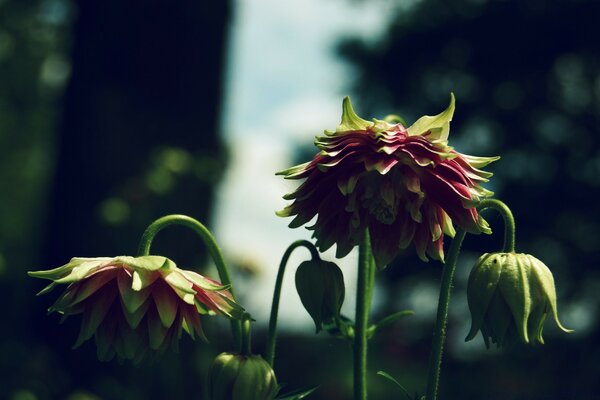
x=136, y=306
x=406, y=185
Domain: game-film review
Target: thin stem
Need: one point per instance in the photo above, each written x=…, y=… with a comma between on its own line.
x=509, y=221
x=246, y=335
x=439, y=334
x=363, y=302
x=272, y=338
x=209, y=241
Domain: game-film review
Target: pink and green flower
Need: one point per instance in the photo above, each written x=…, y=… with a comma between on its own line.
x=134, y=307
x=406, y=185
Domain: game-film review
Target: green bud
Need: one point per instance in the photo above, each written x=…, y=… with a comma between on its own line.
x=241, y=377
x=320, y=285
x=510, y=295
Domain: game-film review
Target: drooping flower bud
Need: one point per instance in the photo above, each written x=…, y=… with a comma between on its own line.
x=320, y=285
x=510, y=296
x=241, y=377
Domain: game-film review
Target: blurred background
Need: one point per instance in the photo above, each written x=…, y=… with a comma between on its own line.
x=113, y=114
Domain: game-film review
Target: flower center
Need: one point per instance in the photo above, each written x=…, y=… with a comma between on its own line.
x=381, y=201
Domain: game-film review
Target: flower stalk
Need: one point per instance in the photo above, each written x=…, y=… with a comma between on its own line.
x=366, y=270
x=439, y=335
x=272, y=335
x=213, y=249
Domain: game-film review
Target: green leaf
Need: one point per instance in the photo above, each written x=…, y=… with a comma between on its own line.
x=391, y=379
x=388, y=321
x=297, y=394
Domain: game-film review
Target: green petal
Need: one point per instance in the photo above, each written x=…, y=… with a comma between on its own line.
x=498, y=319
x=134, y=318
x=191, y=323
x=132, y=299
x=156, y=331
x=147, y=263
x=482, y=284
x=166, y=304
x=202, y=282
x=291, y=172
x=142, y=279
x=515, y=288
x=480, y=162
x=91, y=285
x=104, y=339
x=61, y=272
x=438, y=125
x=351, y=121
x=180, y=284
x=543, y=276
x=94, y=315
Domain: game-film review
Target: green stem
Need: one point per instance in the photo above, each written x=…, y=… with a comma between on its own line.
x=439, y=334
x=246, y=348
x=209, y=241
x=272, y=338
x=509, y=221
x=363, y=301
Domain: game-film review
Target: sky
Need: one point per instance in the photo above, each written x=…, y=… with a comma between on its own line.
x=284, y=86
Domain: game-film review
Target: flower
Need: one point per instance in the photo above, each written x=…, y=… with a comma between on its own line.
x=136, y=306
x=241, y=377
x=406, y=185
x=320, y=285
x=510, y=296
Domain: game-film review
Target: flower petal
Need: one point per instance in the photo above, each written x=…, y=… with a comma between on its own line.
x=166, y=302
x=481, y=287
x=438, y=125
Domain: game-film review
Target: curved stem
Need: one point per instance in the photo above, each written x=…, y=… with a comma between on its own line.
x=439, y=334
x=364, y=292
x=209, y=241
x=246, y=348
x=509, y=221
x=272, y=338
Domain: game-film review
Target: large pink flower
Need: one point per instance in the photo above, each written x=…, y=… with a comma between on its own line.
x=406, y=185
x=136, y=306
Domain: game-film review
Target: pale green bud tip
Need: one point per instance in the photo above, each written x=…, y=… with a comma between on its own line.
x=510, y=296
x=241, y=377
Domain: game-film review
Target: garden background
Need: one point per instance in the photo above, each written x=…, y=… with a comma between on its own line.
x=115, y=113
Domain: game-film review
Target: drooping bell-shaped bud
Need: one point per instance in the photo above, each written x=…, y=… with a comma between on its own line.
x=510, y=296
x=320, y=285
x=241, y=377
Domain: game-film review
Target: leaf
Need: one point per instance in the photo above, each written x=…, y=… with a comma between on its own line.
x=297, y=394
x=390, y=378
x=387, y=321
